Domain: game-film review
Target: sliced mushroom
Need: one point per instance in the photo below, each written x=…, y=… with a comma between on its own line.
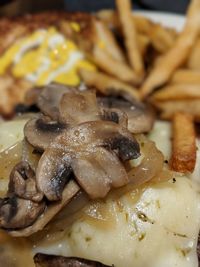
x=68, y=193
x=17, y=213
x=72, y=147
x=92, y=134
x=49, y=99
x=44, y=260
x=78, y=107
x=98, y=171
x=114, y=115
x=53, y=173
x=23, y=184
x=41, y=132
x=140, y=117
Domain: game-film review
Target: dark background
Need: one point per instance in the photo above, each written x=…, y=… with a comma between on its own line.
x=178, y=6
x=15, y=7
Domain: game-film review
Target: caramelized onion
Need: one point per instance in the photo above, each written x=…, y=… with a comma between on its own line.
x=8, y=159
x=150, y=166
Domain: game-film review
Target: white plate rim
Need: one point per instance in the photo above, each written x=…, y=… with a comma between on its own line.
x=171, y=20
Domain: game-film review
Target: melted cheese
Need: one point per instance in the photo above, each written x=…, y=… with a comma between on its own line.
x=45, y=56
x=158, y=228
x=11, y=132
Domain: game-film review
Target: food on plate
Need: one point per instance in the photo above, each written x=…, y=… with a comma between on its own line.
x=108, y=85
x=183, y=144
x=40, y=54
x=178, y=54
x=130, y=35
x=186, y=76
x=90, y=175
x=49, y=199
x=193, y=60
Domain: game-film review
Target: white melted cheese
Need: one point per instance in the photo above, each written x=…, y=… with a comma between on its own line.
x=156, y=226
x=11, y=132
x=160, y=229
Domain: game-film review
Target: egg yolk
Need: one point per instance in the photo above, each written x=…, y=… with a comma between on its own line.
x=43, y=57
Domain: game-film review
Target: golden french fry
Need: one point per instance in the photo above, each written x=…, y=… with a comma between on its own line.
x=186, y=76
x=142, y=24
x=177, y=91
x=113, y=67
x=108, y=85
x=183, y=157
x=109, y=17
x=170, y=107
x=194, y=58
x=130, y=35
x=107, y=41
x=178, y=54
x=161, y=38
x=144, y=42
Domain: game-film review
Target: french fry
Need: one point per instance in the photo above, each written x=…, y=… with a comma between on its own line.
x=183, y=157
x=108, y=85
x=107, y=40
x=178, y=54
x=177, y=91
x=194, y=58
x=144, y=42
x=170, y=107
x=130, y=35
x=161, y=38
x=113, y=67
x=186, y=76
x=109, y=17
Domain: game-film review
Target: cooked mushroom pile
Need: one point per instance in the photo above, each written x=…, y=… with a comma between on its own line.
x=77, y=143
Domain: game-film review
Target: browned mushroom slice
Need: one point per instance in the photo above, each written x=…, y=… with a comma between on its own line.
x=98, y=171
x=78, y=107
x=41, y=132
x=44, y=260
x=97, y=133
x=53, y=173
x=49, y=99
x=17, y=213
x=68, y=193
x=23, y=184
x=115, y=115
x=140, y=117
x=54, y=166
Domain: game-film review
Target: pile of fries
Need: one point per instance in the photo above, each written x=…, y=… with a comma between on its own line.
x=137, y=58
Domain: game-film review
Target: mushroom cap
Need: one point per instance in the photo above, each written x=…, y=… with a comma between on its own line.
x=18, y=213
x=49, y=99
x=140, y=116
x=42, y=131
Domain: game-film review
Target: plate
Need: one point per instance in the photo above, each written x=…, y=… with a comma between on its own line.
x=166, y=19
